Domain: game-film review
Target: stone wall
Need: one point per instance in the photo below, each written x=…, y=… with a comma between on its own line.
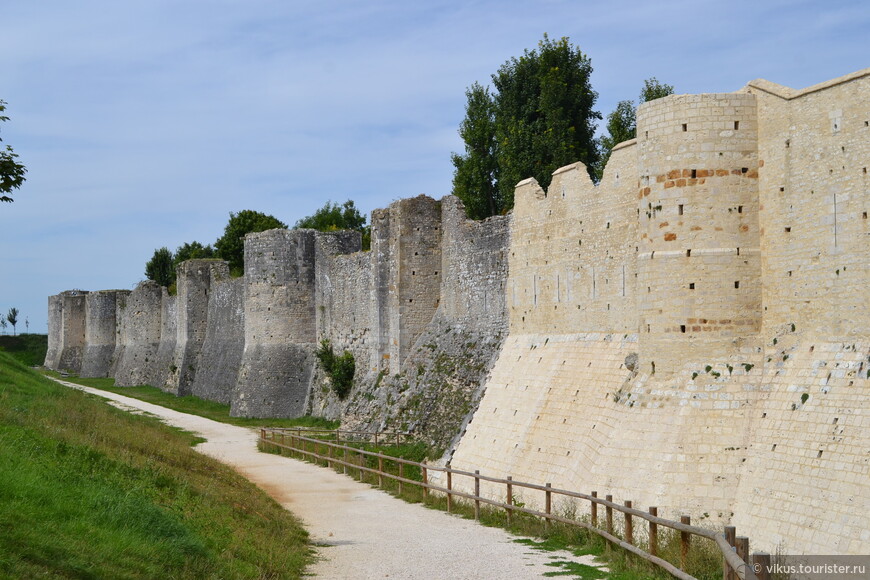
x=218, y=367
x=100, y=332
x=72, y=343
x=140, y=327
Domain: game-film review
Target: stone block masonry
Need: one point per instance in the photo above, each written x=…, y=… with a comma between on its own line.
x=690, y=333
x=100, y=332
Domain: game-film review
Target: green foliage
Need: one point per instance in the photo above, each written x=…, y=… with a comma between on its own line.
x=231, y=246
x=339, y=368
x=539, y=118
x=29, y=349
x=11, y=172
x=475, y=178
x=89, y=491
x=192, y=251
x=12, y=317
x=160, y=267
x=332, y=217
x=622, y=122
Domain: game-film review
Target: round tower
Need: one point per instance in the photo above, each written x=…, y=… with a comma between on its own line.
x=699, y=290
x=100, y=332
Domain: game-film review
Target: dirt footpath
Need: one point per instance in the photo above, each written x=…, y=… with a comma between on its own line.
x=362, y=532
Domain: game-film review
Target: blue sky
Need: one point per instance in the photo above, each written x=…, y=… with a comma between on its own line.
x=144, y=123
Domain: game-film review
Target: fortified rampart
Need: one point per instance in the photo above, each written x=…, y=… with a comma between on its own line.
x=690, y=333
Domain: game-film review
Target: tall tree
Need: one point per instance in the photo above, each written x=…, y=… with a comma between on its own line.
x=622, y=122
x=231, y=246
x=12, y=317
x=11, y=172
x=332, y=217
x=160, y=267
x=3, y=324
x=192, y=251
x=475, y=179
x=542, y=118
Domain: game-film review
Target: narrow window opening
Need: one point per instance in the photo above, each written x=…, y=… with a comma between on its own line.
x=819, y=455
x=688, y=253
x=685, y=127
x=680, y=209
x=789, y=273
x=648, y=289
x=865, y=171
x=787, y=143
x=843, y=149
x=736, y=125
x=608, y=225
x=773, y=448
x=694, y=173
x=739, y=209
x=683, y=328
x=738, y=251
x=864, y=215
x=413, y=273
x=867, y=123
x=647, y=327
x=691, y=285
x=737, y=284
x=646, y=134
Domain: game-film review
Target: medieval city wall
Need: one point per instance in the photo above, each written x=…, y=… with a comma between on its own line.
x=100, y=332
x=690, y=333
x=755, y=412
x=217, y=368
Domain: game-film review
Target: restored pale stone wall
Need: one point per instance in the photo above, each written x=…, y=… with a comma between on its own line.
x=164, y=371
x=101, y=331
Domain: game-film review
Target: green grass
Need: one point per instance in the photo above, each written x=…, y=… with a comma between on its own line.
x=194, y=405
x=88, y=491
x=30, y=349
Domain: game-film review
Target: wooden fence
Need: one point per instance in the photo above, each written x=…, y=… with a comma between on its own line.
x=330, y=449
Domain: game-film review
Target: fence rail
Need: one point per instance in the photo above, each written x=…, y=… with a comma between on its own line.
x=329, y=448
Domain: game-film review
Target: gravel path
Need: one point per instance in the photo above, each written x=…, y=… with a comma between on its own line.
x=362, y=532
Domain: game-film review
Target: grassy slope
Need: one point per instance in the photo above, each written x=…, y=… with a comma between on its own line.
x=87, y=491
x=28, y=348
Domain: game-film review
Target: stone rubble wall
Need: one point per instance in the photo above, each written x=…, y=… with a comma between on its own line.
x=100, y=332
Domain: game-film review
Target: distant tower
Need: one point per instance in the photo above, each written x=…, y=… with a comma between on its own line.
x=699, y=291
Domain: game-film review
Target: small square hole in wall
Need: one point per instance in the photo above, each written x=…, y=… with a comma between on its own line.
x=782, y=190
x=694, y=173
x=736, y=125
x=737, y=283
x=691, y=285
x=864, y=215
x=683, y=328
x=867, y=123
x=744, y=170
x=689, y=253
x=739, y=209
x=680, y=209
x=685, y=127
x=787, y=230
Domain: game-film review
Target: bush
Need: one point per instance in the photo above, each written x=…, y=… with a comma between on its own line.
x=339, y=368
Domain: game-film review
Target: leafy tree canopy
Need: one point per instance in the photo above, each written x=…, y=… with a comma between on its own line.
x=11, y=172
x=161, y=267
x=539, y=118
x=332, y=217
x=231, y=246
x=192, y=251
x=622, y=122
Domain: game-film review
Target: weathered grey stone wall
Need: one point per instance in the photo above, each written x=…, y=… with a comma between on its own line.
x=280, y=325
x=120, y=332
x=218, y=367
x=164, y=371
x=141, y=329
x=55, y=331
x=194, y=279
x=73, y=332
x=101, y=331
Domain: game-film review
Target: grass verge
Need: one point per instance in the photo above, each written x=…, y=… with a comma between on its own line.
x=30, y=349
x=89, y=491
x=193, y=405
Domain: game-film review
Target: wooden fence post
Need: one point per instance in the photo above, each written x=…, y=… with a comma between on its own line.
x=425, y=483
x=742, y=551
x=629, y=529
x=653, y=533
x=608, y=512
x=731, y=538
x=344, y=466
x=376, y=438
x=449, y=495
x=510, y=499
x=380, y=470
x=761, y=565
x=548, y=504
x=594, y=510
x=401, y=474
x=331, y=455
x=685, y=542
x=476, y=494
